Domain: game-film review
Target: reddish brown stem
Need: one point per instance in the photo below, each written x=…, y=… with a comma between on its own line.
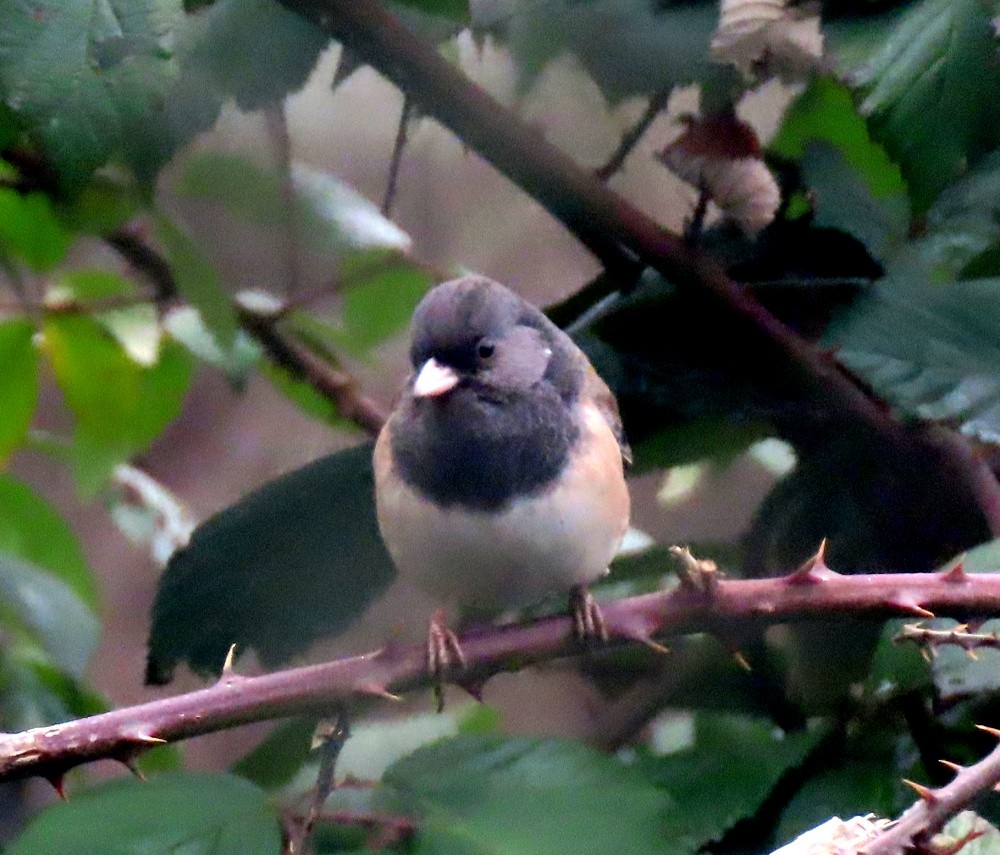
x=346, y=683
x=934, y=808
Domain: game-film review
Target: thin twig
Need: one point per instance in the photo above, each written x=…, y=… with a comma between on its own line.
x=808, y=593
x=405, y=115
x=332, y=382
x=929, y=640
x=630, y=139
x=277, y=126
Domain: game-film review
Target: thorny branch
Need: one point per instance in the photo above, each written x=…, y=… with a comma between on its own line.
x=912, y=832
x=812, y=591
x=929, y=640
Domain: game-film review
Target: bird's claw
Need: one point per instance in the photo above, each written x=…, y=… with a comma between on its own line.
x=588, y=621
x=444, y=654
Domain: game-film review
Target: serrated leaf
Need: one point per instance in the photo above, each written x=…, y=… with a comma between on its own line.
x=825, y=112
x=120, y=406
x=78, y=74
x=930, y=93
x=18, y=383
x=198, y=282
x=49, y=609
x=251, y=579
x=629, y=47
x=488, y=794
x=738, y=760
x=933, y=350
x=30, y=232
x=32, y=530
x=843, y=201
x=955, y=673
x=222, y=56
x=171, y=813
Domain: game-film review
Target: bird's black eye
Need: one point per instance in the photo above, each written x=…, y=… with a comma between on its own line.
x=485, y=350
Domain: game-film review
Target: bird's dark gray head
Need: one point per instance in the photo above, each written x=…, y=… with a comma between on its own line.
x=473, y=331
x=489, y=412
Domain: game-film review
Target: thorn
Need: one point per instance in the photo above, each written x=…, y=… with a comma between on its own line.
x=378, y=691
x=129, y=764
x=227, y=666
x=955, y=575
x=146, y=739
x=925, y=793
x=474, y=688
x=992, y=731
x=908, y=604
x=955, y=767
x=972, y=654
x=58, y=781
x=741, y=660
x=813, y=570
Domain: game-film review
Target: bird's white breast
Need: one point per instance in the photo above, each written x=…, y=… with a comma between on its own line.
x=562, y=537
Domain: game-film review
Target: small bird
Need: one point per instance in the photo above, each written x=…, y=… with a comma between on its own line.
x=499, y=477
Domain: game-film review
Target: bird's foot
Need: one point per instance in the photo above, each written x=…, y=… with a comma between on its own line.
x=444, y=654
x=588, y=621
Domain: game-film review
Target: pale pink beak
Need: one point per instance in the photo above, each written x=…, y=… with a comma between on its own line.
x=434, y=379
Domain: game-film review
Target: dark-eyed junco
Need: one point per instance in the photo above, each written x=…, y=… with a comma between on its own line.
x=499, y=477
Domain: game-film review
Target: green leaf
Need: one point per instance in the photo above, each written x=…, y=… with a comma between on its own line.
x=930, y=93
x=49, y=609
x=933, y=350
x=136, y=327
x=301, y=393
x=120, y=406
x=825, y=112
x=79, y=74
x=489, y=794
x=186, y=326
x=249, y=578
x=171, y=813
x=32, y=530
x=326, y=214
x=628, y=48
x=856, y=788
x=738, y=760
x=198, y=282
x=276, y=759
x=104, y=204
x=381, y=305
x=843, y=201
x=988, y=843
x=30, y=232
x=956, y=675
x=456, y=9
x=896, y=669
x=18, y=383
x=34, y=692
x=222, y=56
